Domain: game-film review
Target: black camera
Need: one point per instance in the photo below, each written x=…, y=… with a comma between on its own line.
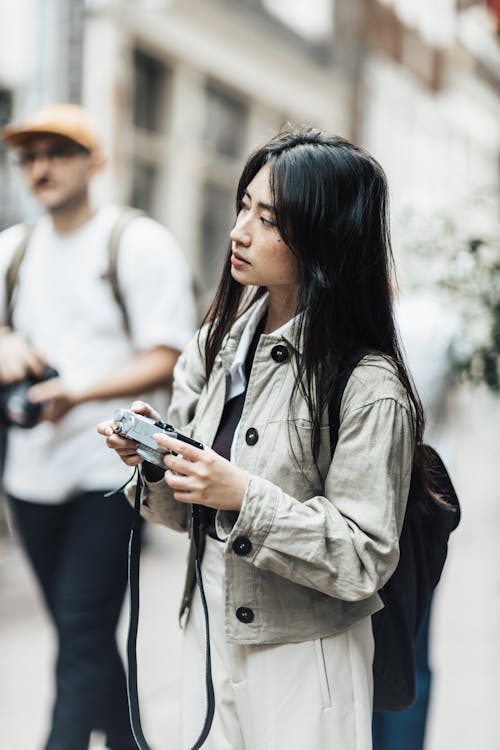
x=15, y=406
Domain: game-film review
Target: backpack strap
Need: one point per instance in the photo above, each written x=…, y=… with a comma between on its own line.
x=12, y=274
x=343, y=376
x=111, y=274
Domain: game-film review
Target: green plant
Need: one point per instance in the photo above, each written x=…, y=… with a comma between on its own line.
x=460, y=255
x=473, y=280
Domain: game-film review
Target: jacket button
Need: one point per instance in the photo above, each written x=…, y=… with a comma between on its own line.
x=251, y=436
x=245, y=614
x=279, y=353
x=242, y=545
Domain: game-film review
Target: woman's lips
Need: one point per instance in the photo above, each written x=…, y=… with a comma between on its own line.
x=237, y=261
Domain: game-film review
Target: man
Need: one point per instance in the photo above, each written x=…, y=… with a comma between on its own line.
x=64, y=314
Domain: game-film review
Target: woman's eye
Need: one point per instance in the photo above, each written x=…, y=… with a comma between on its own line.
x=267, y=222
x=243, y=206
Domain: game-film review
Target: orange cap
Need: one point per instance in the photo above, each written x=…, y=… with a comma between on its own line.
x=68, y=120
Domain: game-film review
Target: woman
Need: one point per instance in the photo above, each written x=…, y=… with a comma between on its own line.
x=297, y=544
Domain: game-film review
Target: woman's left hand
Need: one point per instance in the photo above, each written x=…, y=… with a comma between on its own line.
x=202, y=476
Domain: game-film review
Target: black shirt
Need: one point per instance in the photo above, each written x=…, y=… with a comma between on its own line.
x=231, y=415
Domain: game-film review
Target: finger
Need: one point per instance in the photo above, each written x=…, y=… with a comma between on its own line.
x=178, y=482
x=105, y=428
x=121, y=444
x=141, y=407
x=131, y=459
x=36, y=363
x=134, y=460
x=46, y=390
x=39, y=393
x=26, y=357
x=12, y=373
x=178, y=463
x=48, y=412
x=186, y=450
x=128, y=455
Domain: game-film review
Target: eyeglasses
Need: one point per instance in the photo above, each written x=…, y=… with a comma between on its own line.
x=53, y=154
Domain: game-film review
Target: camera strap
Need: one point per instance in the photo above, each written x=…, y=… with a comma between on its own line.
x=134, y=553
x=198, y=532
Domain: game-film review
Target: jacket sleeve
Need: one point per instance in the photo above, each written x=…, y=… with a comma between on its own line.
x=158, y=504
x=189, y=381
x=344, y=543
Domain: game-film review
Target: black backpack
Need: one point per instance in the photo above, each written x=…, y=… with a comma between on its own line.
x=407, y=594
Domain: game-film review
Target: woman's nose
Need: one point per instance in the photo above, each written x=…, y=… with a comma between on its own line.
x=239, y=233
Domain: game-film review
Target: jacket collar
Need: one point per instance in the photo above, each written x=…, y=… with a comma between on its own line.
x=230, y=344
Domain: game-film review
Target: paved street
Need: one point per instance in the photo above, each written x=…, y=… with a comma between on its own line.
x=465, y=635
x=27, y=647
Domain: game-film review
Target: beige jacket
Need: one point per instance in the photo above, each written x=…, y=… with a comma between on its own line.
x=308, y=552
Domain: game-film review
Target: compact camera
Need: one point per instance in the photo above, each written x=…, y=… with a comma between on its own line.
x=136, y=427
x=15, y=406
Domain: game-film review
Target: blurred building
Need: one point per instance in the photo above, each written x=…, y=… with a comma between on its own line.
x=184, y=89
x=431, y=93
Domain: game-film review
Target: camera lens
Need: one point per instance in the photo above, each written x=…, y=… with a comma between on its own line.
x=17, y=408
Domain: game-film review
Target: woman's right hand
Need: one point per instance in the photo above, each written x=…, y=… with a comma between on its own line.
x=126, y=448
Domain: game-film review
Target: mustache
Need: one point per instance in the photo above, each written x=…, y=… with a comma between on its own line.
x=42, y=182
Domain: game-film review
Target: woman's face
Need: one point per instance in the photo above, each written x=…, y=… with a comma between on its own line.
x=259, y=255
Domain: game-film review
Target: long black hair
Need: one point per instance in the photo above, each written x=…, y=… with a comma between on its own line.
x=331, y=203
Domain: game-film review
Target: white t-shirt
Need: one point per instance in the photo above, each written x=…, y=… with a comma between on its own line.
x=66, y=308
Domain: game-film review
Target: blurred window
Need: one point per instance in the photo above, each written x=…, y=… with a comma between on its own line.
x=224, y=141
x=150, y=78
x=312, y=20
x=225, y=123
x=5, y=111
x=151, y=89
x=7, y=211
x=143, y=185
x=216, y=222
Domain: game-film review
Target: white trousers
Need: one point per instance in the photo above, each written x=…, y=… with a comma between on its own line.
x=315, y=694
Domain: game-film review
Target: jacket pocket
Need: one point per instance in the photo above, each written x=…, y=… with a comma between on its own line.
x=287, y=460
x=322, y=673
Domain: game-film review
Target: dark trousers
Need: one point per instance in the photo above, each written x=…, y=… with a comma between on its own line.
x=405, y=730
x=78, y=551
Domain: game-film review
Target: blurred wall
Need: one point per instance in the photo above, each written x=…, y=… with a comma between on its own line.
x=185, y=92
x=182, y=90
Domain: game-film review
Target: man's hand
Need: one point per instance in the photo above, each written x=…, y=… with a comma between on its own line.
x=54, y=397
x=18, y=358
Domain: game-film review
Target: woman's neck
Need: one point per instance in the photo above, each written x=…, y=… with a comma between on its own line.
x=281, y=308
